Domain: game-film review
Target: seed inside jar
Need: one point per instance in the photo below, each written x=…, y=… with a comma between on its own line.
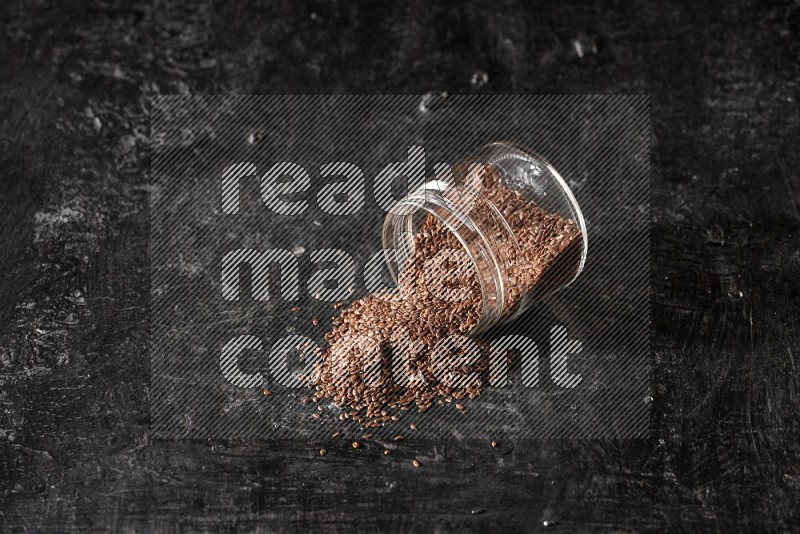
x=409, y=346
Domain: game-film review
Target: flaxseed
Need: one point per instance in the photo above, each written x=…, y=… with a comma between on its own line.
x=408, y=346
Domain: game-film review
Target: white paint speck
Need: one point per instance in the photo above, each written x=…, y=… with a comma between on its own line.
x=428, y=98
x=479, y=78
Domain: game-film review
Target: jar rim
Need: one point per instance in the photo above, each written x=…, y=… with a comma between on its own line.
x=424, y=199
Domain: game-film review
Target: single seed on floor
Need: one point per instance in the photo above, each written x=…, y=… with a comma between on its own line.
x=323, y=452
x=415, y=463
x=459, y=406
x=412, y=426
x=315, y=321
x=296, y=309
x=267, y=392
x=398, y=438
x=315, y=416
x=356, y=444
x=387, y=452
x=494, y=444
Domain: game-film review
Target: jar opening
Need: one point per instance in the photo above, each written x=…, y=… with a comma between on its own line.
x=399, y=238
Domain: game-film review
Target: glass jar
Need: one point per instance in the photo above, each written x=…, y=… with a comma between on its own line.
x=516, y=219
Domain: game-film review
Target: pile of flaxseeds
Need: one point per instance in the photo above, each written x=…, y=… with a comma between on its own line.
x=408, y=346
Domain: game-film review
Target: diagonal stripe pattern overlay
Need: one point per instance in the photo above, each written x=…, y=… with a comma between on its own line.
x=266, y=220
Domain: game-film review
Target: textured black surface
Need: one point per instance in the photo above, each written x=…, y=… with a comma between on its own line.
x=75, y=80
x=606, y=310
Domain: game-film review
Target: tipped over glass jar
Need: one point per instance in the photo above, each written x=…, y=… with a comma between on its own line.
x=517, y=223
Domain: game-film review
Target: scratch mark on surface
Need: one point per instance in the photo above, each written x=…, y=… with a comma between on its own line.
x=791, y=196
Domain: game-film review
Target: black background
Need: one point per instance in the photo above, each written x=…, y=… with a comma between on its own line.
x=75, y=83
x=599, y=143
